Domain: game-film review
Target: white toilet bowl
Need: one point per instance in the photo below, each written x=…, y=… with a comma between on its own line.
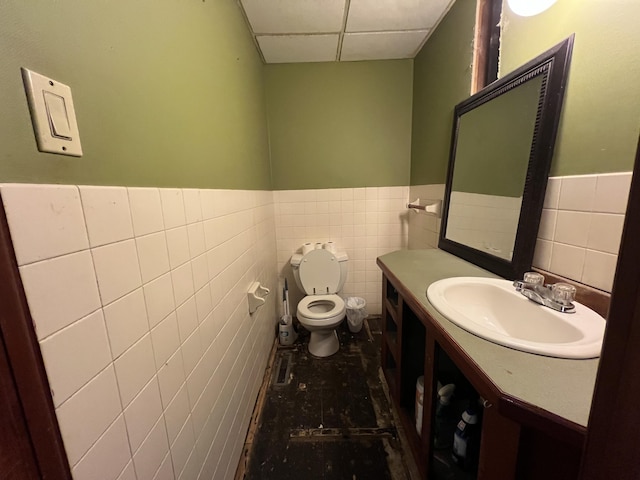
x=321, y=314
x=321, y=273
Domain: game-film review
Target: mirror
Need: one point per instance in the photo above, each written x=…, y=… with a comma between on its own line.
x=501, y=151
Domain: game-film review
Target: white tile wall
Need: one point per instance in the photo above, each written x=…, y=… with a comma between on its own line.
x=117, y=270
x=143, y=413
x=152, y=255
x=364, y=222
x=61, y=217
x=107, y=457
x=107, y=213
x=85, y=417
x=487, y=223
x=60, y=290
x=127, y=322
x=146, y=210
x=424, y=229
x=581, y=227
x=86, y=339
x=138, y=296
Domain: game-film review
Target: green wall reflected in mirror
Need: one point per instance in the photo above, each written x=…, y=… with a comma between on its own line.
x=494, y=143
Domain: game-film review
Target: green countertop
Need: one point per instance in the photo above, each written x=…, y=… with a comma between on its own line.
x=560, y=386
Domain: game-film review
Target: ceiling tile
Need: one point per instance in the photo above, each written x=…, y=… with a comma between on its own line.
x=384, y=15
x=381, y=45
x=298, y=48
x=295, y=16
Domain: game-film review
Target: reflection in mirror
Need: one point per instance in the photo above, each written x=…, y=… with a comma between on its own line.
x=490, y=168
x=501, y=152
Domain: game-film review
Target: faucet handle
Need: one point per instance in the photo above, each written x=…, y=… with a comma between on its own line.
x=533, y=278
x=563, y=293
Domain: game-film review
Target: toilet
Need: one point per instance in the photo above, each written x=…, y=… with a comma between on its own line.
x=320, y=273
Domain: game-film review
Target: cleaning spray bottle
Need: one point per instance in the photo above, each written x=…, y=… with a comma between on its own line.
x=445, y=422
x=466, y=440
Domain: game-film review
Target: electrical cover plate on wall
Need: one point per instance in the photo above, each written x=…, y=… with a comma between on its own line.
x=52, y=114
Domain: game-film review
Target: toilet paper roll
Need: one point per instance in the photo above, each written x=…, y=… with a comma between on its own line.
x=306, y=248
x=318, y=246
x=331, y=246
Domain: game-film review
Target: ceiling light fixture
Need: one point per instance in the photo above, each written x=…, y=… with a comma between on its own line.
x=529, y=8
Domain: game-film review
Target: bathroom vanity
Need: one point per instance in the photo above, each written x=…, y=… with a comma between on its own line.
x=534, y=409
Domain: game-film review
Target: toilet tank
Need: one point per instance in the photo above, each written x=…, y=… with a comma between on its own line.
x=298, y=258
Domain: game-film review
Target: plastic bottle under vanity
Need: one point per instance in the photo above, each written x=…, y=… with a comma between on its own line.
x=445, y=421
x=466, y=440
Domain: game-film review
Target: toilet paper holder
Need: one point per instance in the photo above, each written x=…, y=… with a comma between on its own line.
x=256, y=296
x=433, y=206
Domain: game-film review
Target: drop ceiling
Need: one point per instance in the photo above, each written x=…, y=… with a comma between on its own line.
x=290, y=31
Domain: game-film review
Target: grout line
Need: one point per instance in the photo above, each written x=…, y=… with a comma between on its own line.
x=120, y=415
x=149, y=329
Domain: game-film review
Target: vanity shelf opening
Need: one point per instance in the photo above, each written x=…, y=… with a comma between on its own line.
x=413, y=361
x=392, y=294
x=445, y=464
x=391, y=333
x=390, y=370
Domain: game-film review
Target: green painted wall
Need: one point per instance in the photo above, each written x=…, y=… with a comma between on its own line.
x=601, y=113
x=353, y=119
x=442, y=79
x=494, y=142
x=167, y=93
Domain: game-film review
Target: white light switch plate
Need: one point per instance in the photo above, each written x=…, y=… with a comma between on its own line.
x=52, y=114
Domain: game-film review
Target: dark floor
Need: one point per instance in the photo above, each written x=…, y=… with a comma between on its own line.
x=327, y=418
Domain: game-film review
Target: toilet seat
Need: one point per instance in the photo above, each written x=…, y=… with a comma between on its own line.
x=333, y=307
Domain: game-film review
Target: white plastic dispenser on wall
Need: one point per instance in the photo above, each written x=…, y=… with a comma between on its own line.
x=52, y=114
x=256, y=296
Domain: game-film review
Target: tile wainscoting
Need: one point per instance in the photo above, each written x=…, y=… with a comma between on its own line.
x=138, y=297
x=424, y=229
x=581, y=227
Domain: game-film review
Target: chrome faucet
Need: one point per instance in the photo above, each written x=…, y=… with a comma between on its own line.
x=556, y=296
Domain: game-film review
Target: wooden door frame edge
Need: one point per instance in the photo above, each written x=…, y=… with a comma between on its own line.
x=613, y=434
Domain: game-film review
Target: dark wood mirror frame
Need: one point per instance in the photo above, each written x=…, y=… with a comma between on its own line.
x=553, y=66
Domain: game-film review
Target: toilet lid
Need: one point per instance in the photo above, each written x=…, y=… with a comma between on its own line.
x=320, y=272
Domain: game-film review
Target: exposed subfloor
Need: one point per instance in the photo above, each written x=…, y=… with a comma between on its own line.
x=326, y=418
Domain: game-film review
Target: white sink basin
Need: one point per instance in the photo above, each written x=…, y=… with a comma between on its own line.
x=492, y=309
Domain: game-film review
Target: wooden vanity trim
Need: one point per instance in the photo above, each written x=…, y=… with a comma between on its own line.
x=540, y=419
x=495, y=432
x=513, y=408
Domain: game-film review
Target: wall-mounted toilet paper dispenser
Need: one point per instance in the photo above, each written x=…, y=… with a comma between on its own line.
x=256, y=296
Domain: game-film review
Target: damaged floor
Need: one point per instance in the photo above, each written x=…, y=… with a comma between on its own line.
x=325, y=418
